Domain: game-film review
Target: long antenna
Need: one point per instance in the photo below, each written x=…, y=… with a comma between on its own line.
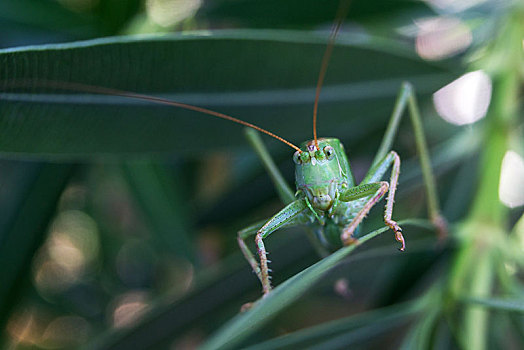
x=339, y=19
x=115, y=92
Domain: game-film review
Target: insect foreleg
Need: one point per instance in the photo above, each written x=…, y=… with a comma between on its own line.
x=242, y=235
x=375, y=174
x=289, y=216
x=377, y=190
x=407, y=98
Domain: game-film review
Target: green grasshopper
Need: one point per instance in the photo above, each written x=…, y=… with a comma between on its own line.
x=328, y=200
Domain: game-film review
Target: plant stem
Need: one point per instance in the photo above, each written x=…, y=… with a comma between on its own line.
x=473, y=271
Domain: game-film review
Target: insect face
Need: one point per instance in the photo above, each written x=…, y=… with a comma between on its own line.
x=320, y=173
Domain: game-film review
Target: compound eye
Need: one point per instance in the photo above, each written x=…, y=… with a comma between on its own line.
x=329, y=151
x=296, y=158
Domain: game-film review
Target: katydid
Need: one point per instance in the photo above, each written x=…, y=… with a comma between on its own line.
x=327, y=198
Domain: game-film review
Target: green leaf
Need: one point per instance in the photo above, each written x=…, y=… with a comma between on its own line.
x=28, y=196
x=346, y=330
x=265, y=77
x=511, y=305
x=240, y=327
x=161, y=201
x=420, y=335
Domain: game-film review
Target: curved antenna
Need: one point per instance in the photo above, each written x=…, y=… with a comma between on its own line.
x=339, y=19
x=159, y=100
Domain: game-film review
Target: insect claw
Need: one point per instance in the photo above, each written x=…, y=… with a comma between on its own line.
x=400, y=238
x=246, y=307
x=350, y=241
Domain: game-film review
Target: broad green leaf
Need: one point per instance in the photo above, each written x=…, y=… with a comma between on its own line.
x=262, y=76
x=240, y=327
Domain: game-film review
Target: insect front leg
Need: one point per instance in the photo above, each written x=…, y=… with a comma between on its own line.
x=242, y=235
x=375, y=174
x=407, y=98
x=291, y=215
x=376, y=190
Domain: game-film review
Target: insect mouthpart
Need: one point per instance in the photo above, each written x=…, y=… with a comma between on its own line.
x=321, y=197
x=322, y=202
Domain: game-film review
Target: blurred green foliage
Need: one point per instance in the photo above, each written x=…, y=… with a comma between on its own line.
x=120, y=217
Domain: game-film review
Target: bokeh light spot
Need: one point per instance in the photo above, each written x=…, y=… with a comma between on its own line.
x=66, y=332
x=465, y=100
x=129, y=308
x=73, y=244
x=23, y=327
x=170, y=12
x=53, y=278
x=511, y=187
x=441, y=37
x=454, y=5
